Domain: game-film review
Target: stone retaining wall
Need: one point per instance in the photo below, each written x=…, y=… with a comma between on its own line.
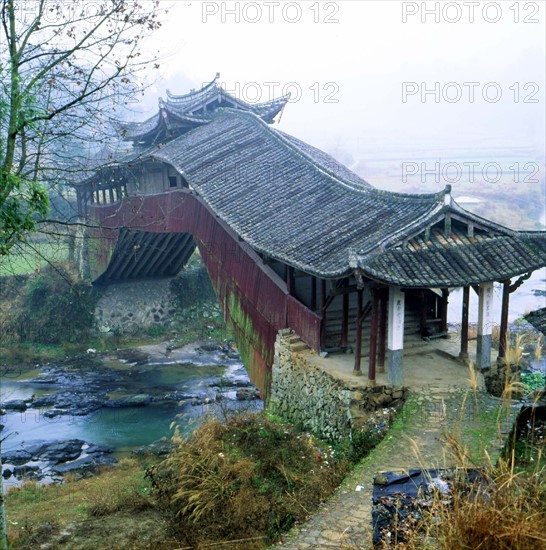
x=314, y=399
x=130, y=306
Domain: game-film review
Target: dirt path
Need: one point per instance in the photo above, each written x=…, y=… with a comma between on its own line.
x=418, y=439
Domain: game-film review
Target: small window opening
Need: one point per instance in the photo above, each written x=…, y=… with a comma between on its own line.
x=172, y=181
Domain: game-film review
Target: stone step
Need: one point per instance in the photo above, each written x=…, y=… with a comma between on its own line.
x=298, y=346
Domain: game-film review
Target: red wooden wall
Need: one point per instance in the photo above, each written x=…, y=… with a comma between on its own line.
x=255, y=300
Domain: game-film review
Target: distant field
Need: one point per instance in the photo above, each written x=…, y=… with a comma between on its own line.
x=26, y=258
x=504, y=184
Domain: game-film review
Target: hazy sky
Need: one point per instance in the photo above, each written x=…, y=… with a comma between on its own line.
x=357, y=69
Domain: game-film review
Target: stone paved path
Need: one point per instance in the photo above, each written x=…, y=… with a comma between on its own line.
x=479, y=420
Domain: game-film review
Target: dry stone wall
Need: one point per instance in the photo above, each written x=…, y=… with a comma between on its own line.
x=130, y=306
x=312, y=398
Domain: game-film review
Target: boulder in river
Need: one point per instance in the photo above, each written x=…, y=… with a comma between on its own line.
x=140, y=400
x=15, y=405
x=17, y=457
x=247, y=394
x=57, y=457
x=84, y=466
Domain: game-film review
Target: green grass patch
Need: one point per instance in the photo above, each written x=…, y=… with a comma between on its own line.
x=87, y=509
x=27, y=258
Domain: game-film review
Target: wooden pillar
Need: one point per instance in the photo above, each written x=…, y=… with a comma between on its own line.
x=443, y=310
x=345, y=320
x=396, y=336
x=323, y=312
x=423, y=321
x=504, y=318
x=313, y=293
x=373, y=338
x=464, y=324
x=290, y=283
x=358, y=347
x=383, y=330
x=485, y=324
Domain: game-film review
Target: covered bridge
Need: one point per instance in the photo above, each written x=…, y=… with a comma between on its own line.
x=293, y=239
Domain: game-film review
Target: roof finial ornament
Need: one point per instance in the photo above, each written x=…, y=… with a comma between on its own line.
x=353, y=258
x=447, y=195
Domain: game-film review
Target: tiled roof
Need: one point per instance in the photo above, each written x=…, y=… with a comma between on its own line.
x=185, y=112
x=538, y=319
x=298, y=205
x=458, y=260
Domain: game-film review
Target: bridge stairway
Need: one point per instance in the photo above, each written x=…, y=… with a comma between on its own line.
x=412, y=327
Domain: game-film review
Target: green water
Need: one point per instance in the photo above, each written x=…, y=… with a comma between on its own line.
x=121, y=428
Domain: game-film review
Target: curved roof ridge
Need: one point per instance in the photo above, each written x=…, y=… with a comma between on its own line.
x=177, y=99
x=276, y=135
x=281, y=99
x=281, y=136
x=532, y=233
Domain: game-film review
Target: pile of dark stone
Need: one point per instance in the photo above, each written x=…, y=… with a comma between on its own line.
x=401, y=501
x=41, y=459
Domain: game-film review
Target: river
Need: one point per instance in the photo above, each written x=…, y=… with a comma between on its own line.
x=181, y=385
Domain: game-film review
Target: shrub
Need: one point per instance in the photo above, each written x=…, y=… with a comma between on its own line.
x=247, y=480
x=54, y=306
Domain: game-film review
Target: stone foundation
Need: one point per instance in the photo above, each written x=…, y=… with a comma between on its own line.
x=130, y=306
x=307, y=396
x=496, y=378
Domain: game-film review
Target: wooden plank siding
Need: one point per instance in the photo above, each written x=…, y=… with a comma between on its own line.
x=255, y=300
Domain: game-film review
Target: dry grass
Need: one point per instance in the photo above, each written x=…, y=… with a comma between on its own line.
x=509, y=511
x=504, y=509
x=244, y=482
x=36, y=512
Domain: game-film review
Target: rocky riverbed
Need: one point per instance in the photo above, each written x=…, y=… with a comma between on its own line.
x=113, y=404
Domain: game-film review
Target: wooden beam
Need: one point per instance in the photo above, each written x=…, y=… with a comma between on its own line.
x=290, y=282
x=383, y=330
x=358, y=349
x=443, y=310
x=345, y=321
x=125, y=254
x=348, y=289
x=313, y=293
x=464, y=323
x=170, y=255
x=520, y=281
x=158, y=257
x=187, y=249
x=423, y=321
x=504, y=318
x=323, y=312
x=146, y=251
x=372, y=357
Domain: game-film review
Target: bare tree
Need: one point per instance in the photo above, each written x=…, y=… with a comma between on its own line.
x=68, y=68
